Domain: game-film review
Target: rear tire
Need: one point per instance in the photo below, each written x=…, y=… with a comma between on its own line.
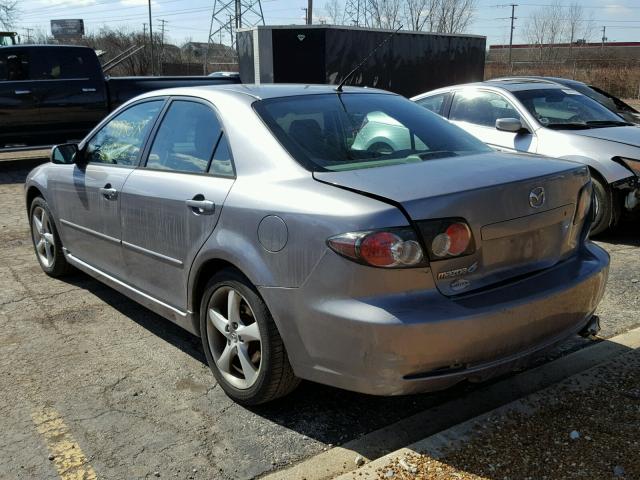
x=241, y=341
x=605, y=214
x=46, y=241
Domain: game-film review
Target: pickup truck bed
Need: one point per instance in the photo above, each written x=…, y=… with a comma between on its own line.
x=52, y=93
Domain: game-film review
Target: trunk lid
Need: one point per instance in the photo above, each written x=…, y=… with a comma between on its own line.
x=491, y=192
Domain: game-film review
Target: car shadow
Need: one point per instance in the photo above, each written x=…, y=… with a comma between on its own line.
x=325, y=414
x=328, y=415
x=627, y=232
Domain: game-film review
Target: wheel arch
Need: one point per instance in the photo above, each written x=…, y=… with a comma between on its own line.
x=200, y=279
x=32, y=192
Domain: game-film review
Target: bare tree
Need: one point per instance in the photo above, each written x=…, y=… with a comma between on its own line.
x=334, y=12
x=417, y=13
x=579, y=26
x=384, y=13
x=445, y=16
x=8, y=10
x=546, y=28
x=454, y=16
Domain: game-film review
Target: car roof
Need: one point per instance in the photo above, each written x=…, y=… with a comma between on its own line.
x=516, y=85
x=32, y=45
x=265, y=90
x=535, y=78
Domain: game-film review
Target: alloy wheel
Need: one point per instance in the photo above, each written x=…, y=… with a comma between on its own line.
x=234, y=337
x=43, y=238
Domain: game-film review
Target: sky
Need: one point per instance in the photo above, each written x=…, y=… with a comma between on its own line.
x=190, y=20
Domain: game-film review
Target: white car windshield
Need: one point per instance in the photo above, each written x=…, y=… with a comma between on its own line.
x=566, y=108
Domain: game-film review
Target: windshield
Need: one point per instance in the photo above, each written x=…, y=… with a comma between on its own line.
x=566, y=108
x=352, y=131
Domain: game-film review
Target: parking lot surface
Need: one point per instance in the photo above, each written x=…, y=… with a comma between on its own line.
x=97, y=385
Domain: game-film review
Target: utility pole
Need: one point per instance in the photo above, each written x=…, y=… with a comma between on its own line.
x=161, y=59
x=29, y=30
x=513, y=17
x=144, y=31
x=309, y=12
x=151, y=37
x=163, y=22
x=306, y=15
x=604, y=35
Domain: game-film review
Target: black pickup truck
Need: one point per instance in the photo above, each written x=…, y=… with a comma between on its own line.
x=53, y=93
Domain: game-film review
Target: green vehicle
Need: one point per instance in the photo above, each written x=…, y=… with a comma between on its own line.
x=8, y=38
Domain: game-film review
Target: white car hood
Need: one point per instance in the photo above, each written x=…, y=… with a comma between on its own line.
x=626, y=135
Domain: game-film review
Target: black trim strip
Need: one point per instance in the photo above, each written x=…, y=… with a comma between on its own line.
x=89, y=231
x=151, y=253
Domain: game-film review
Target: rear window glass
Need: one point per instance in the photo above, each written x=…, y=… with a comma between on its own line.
x=66, y=64
x=14, y=65
x=331, y=132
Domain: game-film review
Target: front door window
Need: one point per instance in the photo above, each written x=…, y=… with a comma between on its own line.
x=119, y=141
x=481, y=108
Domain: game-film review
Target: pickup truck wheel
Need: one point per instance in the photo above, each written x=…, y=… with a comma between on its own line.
x=241, y=341
x=46, y=241
x=604, y=215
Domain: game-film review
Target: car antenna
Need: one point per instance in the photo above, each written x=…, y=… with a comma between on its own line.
x=350, y=74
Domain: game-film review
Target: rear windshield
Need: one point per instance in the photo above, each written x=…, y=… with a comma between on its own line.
x=354, y=130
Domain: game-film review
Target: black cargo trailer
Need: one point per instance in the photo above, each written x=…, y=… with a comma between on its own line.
x=409, y=63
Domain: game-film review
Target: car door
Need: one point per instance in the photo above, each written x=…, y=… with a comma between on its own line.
x=18, y=109
x=88, y=193
x=476, y=111
x=70, y=91
x=171, y=205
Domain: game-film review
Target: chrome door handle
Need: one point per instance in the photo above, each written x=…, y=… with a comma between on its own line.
x=22, y=92
x=88, y=90
x=201, y=206
x=109, y=193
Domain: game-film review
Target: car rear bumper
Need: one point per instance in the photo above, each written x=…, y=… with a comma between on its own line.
x=417, y=340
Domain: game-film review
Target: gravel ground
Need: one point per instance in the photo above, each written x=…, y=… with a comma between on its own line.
x=586, y=427
x=136, y=396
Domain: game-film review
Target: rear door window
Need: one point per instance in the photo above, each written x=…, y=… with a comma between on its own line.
x=187, y=139
x=14, y=65
x=433, y=103
x=66, y=64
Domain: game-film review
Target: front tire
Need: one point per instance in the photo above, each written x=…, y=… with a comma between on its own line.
x=241, y=341
x=46, y=241
x=605, y=209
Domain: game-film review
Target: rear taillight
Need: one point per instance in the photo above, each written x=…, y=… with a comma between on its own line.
x=584, y=203
x=447, y=238
x=389, y=248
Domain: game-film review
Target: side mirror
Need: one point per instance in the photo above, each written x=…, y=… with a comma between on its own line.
x=64, y=154
x=513, y=125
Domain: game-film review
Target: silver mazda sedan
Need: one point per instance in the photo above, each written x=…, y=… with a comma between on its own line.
x=260, y=219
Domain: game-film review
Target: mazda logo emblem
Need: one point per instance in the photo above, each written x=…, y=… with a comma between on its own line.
x=537, y=197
